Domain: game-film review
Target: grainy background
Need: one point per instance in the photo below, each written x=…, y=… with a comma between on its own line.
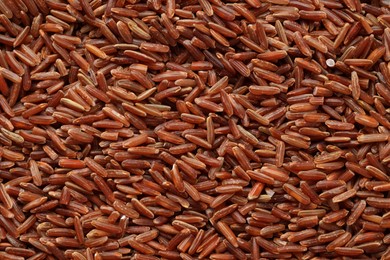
x=173, y=129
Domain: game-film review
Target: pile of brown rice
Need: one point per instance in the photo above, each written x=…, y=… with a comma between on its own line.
x=199, y=129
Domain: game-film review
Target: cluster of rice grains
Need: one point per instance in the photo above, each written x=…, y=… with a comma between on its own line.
x=198, y=129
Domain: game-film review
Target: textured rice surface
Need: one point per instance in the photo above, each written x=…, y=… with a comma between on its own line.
x=172, y=129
